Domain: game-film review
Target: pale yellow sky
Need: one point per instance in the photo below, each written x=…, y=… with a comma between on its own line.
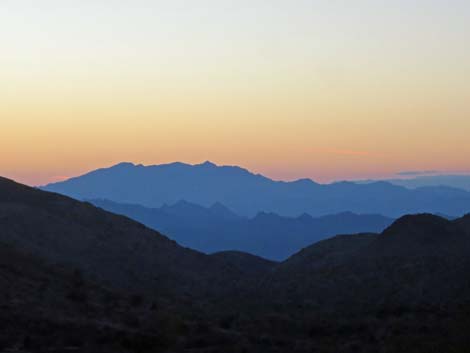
x=322, y=89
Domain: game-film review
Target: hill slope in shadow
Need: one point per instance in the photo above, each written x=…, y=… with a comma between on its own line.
x=74, y=277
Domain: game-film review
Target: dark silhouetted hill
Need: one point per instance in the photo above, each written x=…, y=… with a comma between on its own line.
x=114, y=249
x=77, y=278
x=419, y=261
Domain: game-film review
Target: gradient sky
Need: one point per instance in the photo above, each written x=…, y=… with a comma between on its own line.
x=323, y=89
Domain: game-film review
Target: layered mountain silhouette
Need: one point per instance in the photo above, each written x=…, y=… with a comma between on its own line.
x=268, y=235
x=420, y=261
x=455, y=181
x=114, y=249
x=247, y=194
x=74, y=277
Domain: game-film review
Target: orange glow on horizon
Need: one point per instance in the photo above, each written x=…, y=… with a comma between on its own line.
x=323, y=90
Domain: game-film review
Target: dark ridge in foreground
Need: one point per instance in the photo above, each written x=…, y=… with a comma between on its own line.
x=420, y=260
x=114, y=249
x=76, y=278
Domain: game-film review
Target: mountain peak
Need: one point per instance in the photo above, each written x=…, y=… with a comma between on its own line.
x=180, y=204
x=417, y=220
x=304, y=181
x=422, y=227
x=124, y=165
x=207, y=164
x=305, y=217
x=223, y=211
x=218, y=206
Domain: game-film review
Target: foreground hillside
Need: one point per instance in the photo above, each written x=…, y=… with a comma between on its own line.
x=46, y=308
x=420, y=261
x=77, y=278
x=113, y=248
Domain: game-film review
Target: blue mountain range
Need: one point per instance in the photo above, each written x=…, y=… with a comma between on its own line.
x=247, y=194
x=268, y=235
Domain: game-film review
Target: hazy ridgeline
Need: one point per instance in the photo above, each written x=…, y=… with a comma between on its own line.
x=248, y=194
x=269, y=235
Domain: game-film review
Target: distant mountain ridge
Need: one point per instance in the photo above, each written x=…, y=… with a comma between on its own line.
x=267, y=235
x=456, y=181
x=247, y=193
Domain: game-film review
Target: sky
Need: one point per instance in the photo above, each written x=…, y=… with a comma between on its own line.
x=329, y=90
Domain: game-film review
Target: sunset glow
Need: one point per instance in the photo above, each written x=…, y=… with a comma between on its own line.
x=329, y=90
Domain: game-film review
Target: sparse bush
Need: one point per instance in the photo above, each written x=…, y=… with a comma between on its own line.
x=227, y=322
x=131, y=320
x=136, y=300
x=77, y=296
